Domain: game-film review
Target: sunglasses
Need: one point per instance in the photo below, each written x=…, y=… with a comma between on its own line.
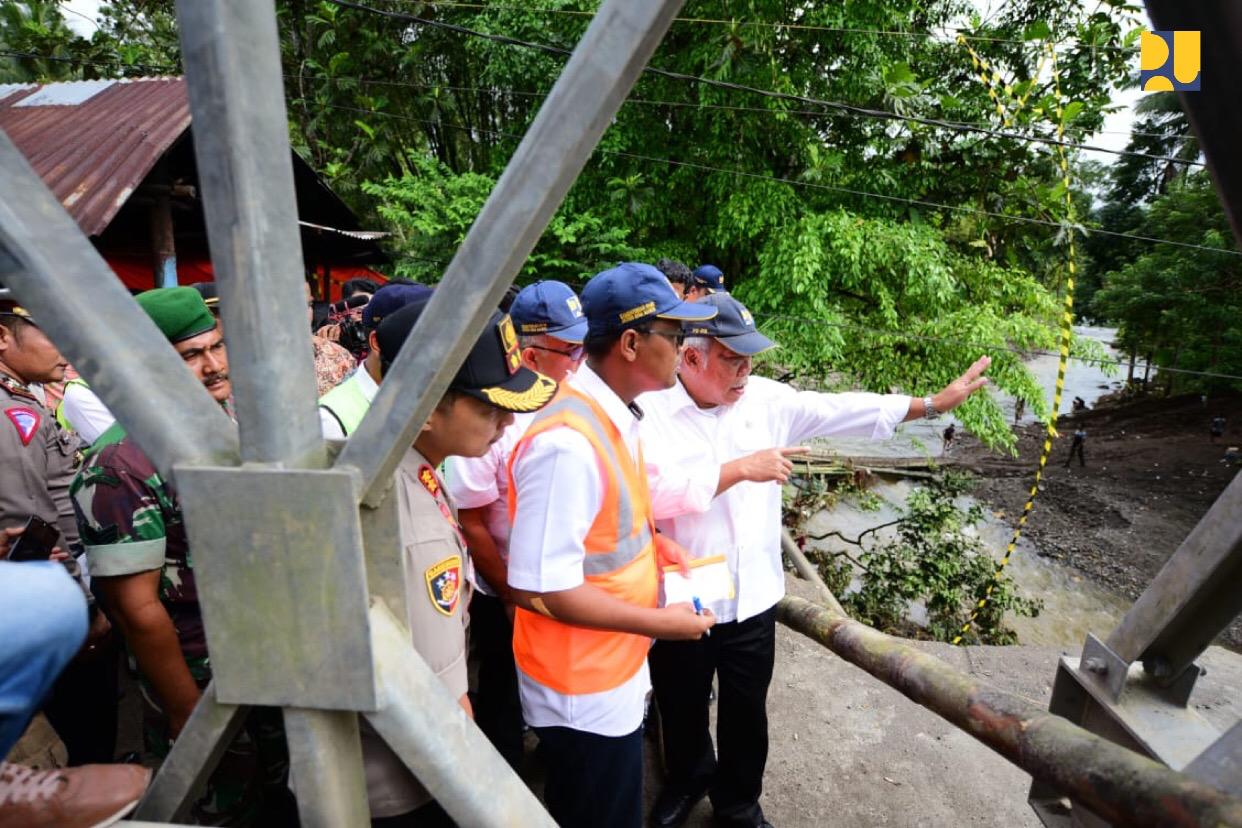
x=678, y=339
x=574, y=353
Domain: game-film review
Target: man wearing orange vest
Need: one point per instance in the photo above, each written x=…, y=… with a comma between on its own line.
x=584, y=554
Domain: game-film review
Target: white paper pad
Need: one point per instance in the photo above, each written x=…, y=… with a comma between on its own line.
x=709, y=581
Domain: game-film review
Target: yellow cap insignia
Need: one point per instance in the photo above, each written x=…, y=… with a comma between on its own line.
x=508, y=340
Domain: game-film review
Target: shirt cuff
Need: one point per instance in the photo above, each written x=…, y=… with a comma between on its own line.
x=125, y=558
x=893, y=411
x=534, y=582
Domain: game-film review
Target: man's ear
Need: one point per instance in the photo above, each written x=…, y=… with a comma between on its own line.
x=629, y=345
x=373, y=341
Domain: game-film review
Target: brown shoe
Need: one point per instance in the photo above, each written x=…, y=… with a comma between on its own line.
x=91, y=796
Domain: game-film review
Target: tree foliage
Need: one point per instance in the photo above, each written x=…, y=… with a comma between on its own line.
x=412, y=123
x=1182, y=307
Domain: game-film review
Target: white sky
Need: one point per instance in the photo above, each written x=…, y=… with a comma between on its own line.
x=1115, y=132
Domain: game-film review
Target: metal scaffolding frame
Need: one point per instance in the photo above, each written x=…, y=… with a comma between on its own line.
x=305, y=518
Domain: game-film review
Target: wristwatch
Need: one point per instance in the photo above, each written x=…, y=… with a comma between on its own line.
x=929, y=409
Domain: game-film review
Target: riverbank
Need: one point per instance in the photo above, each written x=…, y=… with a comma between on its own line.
x=1151, y=474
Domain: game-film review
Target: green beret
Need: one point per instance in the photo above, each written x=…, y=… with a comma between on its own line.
x=178, y=312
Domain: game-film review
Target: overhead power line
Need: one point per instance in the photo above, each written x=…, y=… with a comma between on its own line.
x=769, y=93
x=795, y=183
x=767, y=24
x=849, y=109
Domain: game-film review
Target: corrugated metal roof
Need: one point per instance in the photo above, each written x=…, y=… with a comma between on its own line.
x=93, y=142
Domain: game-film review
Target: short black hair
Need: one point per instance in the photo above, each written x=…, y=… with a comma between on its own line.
x=597, y=345
x=14, y=322
x=360, y=285
x=675, y=271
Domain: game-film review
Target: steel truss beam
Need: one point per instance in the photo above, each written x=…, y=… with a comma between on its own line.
x=621, y=38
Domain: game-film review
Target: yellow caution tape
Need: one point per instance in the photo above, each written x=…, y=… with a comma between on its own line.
x=991, y=80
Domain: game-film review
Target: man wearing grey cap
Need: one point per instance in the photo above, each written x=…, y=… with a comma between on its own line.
x=717, y=412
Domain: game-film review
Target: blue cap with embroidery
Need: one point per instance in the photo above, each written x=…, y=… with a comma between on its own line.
x=631, y=293
x=733, y=326
x=710, y=277
x=550, y=308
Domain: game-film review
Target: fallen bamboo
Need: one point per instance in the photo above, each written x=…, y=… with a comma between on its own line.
x=1115, y=783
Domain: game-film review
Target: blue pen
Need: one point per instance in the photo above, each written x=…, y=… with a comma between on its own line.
x=698, y=610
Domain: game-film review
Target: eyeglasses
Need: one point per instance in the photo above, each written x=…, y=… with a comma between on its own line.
x=574, y=353
x=678, y=339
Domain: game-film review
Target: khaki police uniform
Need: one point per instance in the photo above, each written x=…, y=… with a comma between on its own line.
x=436, y=594
x=36, y=463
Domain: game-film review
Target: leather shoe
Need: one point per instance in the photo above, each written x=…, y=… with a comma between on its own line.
x=673, y=806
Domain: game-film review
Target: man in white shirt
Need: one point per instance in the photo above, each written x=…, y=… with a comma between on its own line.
x=583, y=565
x=717, y=409
x=550, y=328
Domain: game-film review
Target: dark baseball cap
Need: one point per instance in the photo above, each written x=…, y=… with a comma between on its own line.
x=733, y=326
x=493, y=370
x=550, y=308
x=389, y=299
x=210, y=294
x=632, y=292
x=709, y=276
x=11, y=308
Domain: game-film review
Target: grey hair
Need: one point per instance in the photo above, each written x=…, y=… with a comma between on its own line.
x=702, y=344
x=528, y=340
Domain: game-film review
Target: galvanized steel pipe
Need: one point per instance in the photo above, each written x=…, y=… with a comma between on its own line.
x=1117, y=784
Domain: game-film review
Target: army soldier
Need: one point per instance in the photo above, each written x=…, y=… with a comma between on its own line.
x=139, y=556
x=474, y=412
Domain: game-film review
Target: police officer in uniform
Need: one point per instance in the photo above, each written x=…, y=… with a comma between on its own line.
x=37, y=457
x=478, y=406
x=36, y=467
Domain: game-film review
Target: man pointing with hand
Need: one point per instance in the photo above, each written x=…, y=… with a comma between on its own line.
x=718, y=412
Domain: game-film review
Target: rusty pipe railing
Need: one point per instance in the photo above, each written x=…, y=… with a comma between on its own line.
x=1115, y=783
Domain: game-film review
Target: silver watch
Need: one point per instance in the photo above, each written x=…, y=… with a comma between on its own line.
x=929, y=409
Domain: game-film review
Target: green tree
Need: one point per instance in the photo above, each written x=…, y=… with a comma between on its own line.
x=1182, y=307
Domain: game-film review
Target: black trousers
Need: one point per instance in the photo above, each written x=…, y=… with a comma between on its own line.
x=497, y=707
x=1076, y=448
x=82, y=706
x=741, y=655
x=593, y=781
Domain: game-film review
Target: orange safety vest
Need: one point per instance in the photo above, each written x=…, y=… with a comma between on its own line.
x=620, y=559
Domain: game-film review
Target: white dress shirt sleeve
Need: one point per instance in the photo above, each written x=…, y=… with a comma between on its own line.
x=86, y=413
x=559, y=492
x=330, y=425
x=471, y=481
x=809, y=414
x=678, y=489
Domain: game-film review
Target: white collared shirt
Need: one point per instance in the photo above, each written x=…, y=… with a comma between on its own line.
x=561, y=491
x=744, y=523
x=483, y=483
x=366, y=384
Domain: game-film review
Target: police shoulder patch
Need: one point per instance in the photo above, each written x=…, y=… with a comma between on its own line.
x=444, y=584
x=427, y=476
x=25, y=420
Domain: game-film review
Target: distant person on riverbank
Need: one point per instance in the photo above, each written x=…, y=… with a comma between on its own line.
x=1079, y=404
x=1217, y=429
x=1076, y=446
x=1019, y=410
x=950, y=434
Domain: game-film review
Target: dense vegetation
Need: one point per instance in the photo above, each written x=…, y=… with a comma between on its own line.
x=883, y=253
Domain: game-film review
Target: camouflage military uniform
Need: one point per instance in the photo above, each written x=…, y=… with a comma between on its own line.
x=131, y=522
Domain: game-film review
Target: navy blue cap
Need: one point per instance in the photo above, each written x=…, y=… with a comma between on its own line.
x=733, y=326
x=390, y=299
x=493, y=370
x=632, y=292
x=709, y=276
x=550, y=308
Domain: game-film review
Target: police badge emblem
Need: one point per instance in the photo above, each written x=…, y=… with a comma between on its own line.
x=25, y=420
x=444, y=584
